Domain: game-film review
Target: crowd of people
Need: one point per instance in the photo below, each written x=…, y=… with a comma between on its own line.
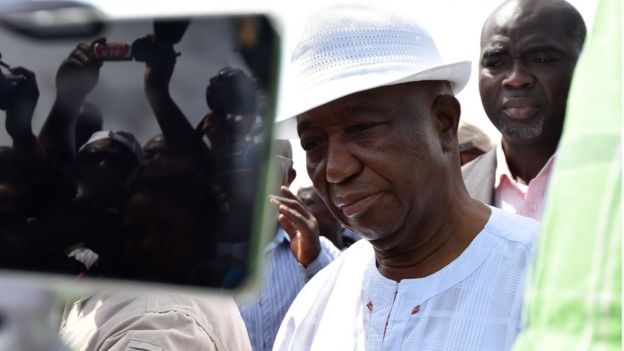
x=449, y=220
x=83, y=200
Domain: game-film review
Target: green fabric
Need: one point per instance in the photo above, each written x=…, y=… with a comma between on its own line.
x=574, y=291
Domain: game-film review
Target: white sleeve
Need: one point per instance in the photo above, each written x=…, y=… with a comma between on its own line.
x=159, y=331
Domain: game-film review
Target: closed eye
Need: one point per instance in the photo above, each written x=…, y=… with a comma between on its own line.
x=544, y=58
x=360, y=127
x=308, y=145
x=495, y=58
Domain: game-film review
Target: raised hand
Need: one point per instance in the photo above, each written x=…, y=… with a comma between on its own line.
x=21, y=106
x=160, y=62
x=300, y=225
x=79, y=73
x=75, y=79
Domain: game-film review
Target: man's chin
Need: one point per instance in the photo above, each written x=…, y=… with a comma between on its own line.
x=522, y=132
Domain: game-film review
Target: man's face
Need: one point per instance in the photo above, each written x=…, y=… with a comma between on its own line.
x=526, y=64
x=104, y=165
x=328, y=225
x=375, y=157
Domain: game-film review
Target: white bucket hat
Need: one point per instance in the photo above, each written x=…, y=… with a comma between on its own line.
x=348, y=49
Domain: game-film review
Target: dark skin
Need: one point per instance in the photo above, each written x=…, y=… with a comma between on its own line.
x=294, y=216
x=328, y=225
x=88, y=121
x=177, y=130
x=162, y=239
x=300, y=225
x=75, y=79
x=101, y=169
x=526, y=64
x=223, y=130
x=386, y=163
x=19, y=112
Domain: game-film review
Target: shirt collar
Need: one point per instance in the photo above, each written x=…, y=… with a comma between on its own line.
x=502, y=168
x=420, y=290
x=280, y=237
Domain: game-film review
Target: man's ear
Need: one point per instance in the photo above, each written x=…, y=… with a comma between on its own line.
x=446, y=110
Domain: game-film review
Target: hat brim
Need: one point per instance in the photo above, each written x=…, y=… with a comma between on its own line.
x=286, y=124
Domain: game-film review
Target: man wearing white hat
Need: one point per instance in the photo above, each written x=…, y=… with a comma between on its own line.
x=376, y=115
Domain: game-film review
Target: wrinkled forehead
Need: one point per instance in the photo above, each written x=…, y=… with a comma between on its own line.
x=383, y=100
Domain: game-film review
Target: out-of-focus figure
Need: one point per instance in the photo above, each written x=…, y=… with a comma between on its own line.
x=575, y=294
x=473, y=142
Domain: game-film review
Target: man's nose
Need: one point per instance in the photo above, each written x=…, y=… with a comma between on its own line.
x=518, y=76
x=341, y=164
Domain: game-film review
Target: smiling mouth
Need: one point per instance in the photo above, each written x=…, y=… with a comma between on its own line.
x=359, y=206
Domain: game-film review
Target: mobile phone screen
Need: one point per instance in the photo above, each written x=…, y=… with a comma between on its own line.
x=137, y=152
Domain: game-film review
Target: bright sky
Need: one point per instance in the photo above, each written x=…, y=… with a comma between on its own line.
x=454, y=24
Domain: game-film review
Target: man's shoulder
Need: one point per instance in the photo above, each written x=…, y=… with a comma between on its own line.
x=479, y=175
x=338, y=284
x=512, y=227
x=203, y=319
x=481, y=164
x=351, y=262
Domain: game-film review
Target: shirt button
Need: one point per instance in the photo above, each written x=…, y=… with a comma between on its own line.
x=532, y=207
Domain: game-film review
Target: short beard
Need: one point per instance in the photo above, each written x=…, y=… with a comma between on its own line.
x=521, y=131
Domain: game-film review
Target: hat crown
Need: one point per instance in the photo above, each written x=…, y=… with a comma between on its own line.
x=348, y=49
x=355, y=40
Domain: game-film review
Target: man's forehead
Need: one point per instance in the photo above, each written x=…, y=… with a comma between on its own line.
x=344, y=107
x=526, y=34
x=379, y=101
x=522, y=18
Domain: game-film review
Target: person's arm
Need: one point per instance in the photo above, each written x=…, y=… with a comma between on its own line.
x=177, y=130
x=312, y=253
x=327, y=255
x=21, y=107
x=75, y=79
x=300, y=225
x=174, y=322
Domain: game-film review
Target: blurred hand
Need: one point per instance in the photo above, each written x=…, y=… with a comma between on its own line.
x=24, y=89
x=159, y=63
x=153, y=52
x=300, y=225
x=79, y=73
x=214, y=130
x=21, y=105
